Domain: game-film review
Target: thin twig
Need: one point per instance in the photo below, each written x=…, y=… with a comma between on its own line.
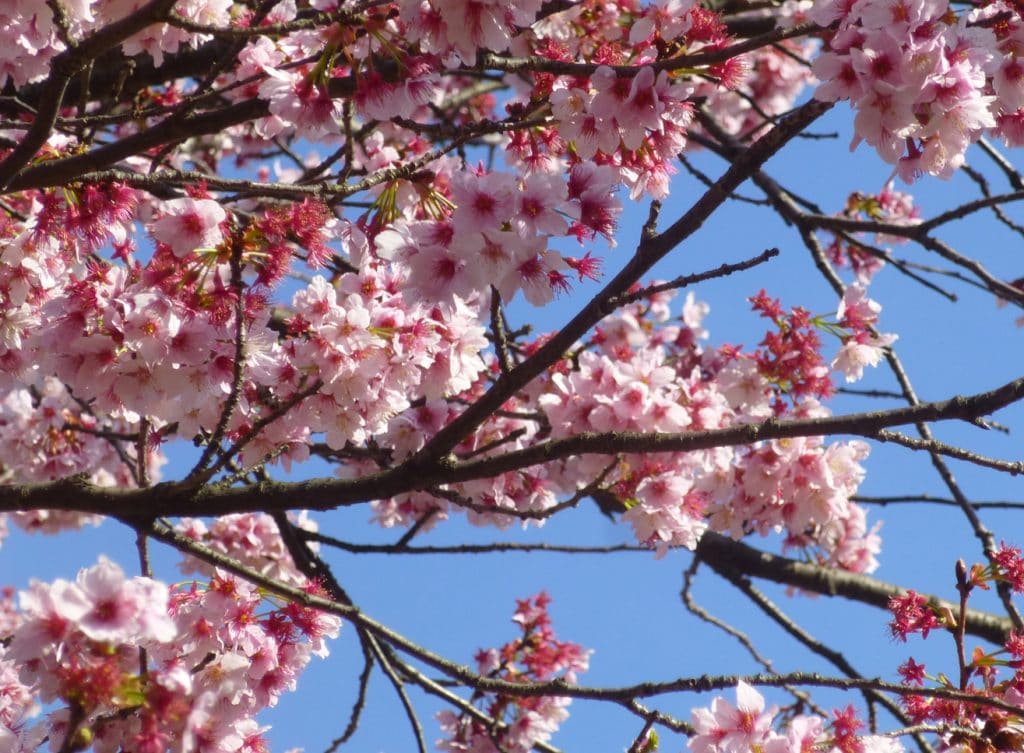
x=686, y=280
x=933, y=500
x=200, y=473
x=358, y=705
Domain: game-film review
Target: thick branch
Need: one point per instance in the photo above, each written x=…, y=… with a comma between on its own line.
x=65, y=66
x=728, y=557
x=173, y=499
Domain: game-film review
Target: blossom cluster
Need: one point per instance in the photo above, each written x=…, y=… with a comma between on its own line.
x=925, y=82
x=31, y=36
x=640, y=121
x=863, y=345
x=155, y=340
x=633, y=122
x=889, y=206
x=990, y=675
x=646, y=372
x=252, y=539
x=130, y=664
x=535, y=656
x=748, y=725
x=47, y=435
x=498, y=234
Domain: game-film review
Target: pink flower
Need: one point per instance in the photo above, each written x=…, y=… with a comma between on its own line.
x=123, y=611
x=539, y=202
x=489, y=24
x=1009, y=84
x=1010, y=565
x=899, y=18
x=51, y=611
x=635, y=104
x=438, y=274
x=588, y=134
x=671, y=18
x=881, y=744
x=839, y=79
x=593, y=187
x=803, y=734
x=484, y=202
x=299, y=102
x=725, y=728
x=189, y=224
x=863, y=349
x=911, y=613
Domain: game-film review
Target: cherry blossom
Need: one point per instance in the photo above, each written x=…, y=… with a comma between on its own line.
x=864, y=346
x=121, y=610
x=537, y=655
x=726, y=728
x=189, y=224
x=78, y=642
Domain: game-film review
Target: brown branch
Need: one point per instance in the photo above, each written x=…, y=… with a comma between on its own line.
x=172, y=498
x=173, y=129
x=67, y=169
x=919, y=234
x=930, y=499
x=724, y=556
x=1012, y=176
x=867, y=424
x=1013, y=467
x=687, y=280
x=358, y=705
x=699, y=59
x=63, y=68
x=493, y=548
x=302, y=22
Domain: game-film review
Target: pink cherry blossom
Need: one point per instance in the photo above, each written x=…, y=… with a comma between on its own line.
x=297, y=101
x=482, y=201
x=122, y=610
x=859, y=351
x=725, y=728
x=304, y=231
x=189, y=224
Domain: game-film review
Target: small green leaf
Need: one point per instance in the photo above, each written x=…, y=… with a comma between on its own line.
x=652, y=742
